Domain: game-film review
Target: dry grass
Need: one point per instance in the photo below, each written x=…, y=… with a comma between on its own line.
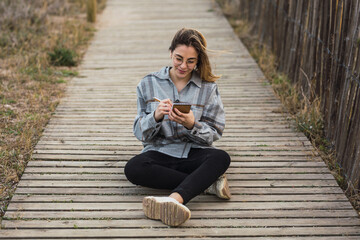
x=30, y=83
x=304, y=111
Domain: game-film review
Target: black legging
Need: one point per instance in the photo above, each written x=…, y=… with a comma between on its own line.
x=187, y=176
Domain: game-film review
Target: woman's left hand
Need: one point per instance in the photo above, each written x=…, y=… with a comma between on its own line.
x=185, y=119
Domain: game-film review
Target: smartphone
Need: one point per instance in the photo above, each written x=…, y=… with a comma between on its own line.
x=182, y=107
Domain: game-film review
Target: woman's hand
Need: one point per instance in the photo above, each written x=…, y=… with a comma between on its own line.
x=162, y=109
x=185, y=119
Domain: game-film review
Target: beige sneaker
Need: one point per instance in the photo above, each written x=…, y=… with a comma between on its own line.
x=166, y=209
x=220, y=188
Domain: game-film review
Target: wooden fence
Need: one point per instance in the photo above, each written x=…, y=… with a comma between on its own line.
x=317, y=44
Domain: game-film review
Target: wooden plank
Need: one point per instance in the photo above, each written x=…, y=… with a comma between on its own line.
x=92, y=110
x=117, y=156
x=243, y=214
x=182, y=232
x=242, y=145
x=132, y=140
x=244, y=238
x=103, y=127
x=118, y=145
x=225, y=138
x=199, y=198
x=146, y=191
x=125, y=183
x=259, y=149
x=230, y=177
x=255, y=170
x=134, y=146
x=128, y=133
x=224, y=206
x=121, y=163
x=234, y=158
x=144, y=223
x=258, y=122
x=129, y=154
x=111, y=113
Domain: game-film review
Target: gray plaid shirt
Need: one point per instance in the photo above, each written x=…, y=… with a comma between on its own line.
x=170, y=137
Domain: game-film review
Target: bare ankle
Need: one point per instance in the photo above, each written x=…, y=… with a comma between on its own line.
x=177, y=197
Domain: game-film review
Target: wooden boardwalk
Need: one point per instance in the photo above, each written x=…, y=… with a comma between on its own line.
x=75, y=187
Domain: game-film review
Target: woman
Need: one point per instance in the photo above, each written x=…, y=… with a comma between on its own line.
x=178, y=152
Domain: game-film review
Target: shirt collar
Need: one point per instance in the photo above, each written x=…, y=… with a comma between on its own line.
x=164, y=73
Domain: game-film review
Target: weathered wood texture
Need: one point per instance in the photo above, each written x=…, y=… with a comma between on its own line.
x=75, y=188
x=317, y=46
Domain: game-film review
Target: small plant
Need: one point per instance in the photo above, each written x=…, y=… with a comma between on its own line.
x=62, y=57
x=61, y=80
x=68, y=73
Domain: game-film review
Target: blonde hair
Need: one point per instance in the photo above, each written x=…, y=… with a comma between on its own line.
x=192, y=37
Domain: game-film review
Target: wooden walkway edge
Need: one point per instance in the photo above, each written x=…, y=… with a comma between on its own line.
x=75, y=187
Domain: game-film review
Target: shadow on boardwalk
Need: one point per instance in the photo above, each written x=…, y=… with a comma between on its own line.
x=75, y=186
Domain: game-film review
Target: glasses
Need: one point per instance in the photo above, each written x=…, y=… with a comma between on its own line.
x=179, y=60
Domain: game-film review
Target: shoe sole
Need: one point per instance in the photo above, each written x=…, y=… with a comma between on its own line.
x=170, y=213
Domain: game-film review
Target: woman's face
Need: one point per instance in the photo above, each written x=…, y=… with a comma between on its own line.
x=184, y=60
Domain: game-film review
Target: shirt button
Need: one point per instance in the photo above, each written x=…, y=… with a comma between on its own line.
x=195, y=132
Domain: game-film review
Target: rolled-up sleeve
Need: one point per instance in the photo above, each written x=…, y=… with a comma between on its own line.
x=212, y=122
x=145, y=126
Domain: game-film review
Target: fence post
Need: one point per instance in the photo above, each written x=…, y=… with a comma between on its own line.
x=91, y=10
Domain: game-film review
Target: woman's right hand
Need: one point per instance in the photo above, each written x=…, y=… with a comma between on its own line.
x=162, y=109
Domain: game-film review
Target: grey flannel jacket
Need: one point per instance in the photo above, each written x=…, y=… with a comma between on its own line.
x=169, y=137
